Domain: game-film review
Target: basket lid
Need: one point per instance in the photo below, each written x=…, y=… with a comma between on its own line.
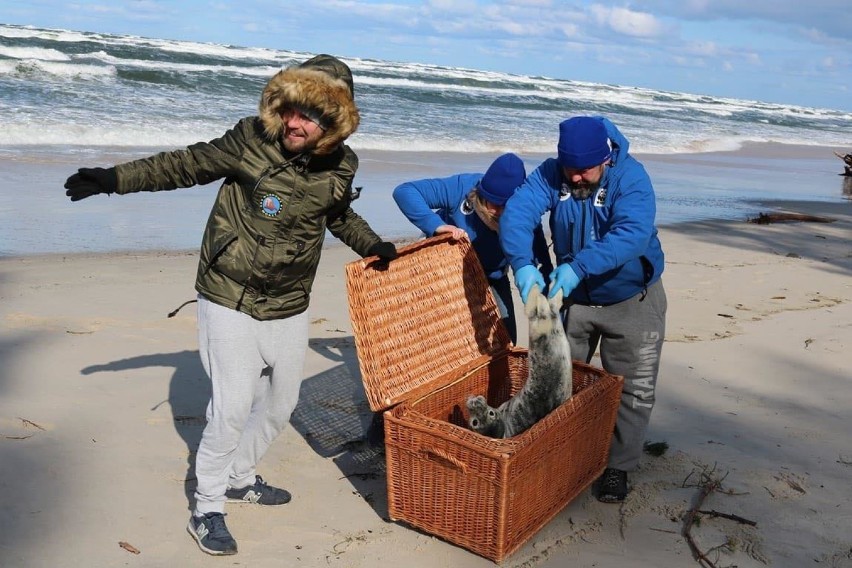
x=420, y=318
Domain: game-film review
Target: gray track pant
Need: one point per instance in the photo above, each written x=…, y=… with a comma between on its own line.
x=256, y=369
x=631, y=335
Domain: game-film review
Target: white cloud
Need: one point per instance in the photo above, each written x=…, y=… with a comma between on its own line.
x=569, y=30
x=831, y=17
x=627, y=21
x=535, y=3
x=402, y=14
x=458, y=6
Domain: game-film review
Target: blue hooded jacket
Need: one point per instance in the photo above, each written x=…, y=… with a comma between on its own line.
x=609, y=239
x=430, y=203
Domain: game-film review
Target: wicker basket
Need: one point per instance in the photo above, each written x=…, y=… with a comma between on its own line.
x=428, y=335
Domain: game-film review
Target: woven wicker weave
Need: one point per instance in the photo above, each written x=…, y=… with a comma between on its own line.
x=428, y=335
x=427, y=313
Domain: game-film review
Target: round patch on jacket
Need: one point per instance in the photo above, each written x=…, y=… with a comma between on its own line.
x=270, y=205
x=466, y=207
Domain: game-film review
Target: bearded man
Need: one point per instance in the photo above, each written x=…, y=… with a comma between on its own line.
x=609, y=263
x=287, y=178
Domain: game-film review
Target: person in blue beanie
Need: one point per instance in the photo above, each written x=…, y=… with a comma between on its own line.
x=471, y=204
x=609, y=263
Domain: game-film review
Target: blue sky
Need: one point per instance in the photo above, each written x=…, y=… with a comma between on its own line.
x=784, y=51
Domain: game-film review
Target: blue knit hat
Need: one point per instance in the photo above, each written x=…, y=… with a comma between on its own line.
x=583, y=143
x=504, y=175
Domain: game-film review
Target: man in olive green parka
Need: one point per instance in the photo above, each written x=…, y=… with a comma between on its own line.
x=287, y=178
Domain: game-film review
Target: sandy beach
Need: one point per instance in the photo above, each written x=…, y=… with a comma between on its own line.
x=102, y=400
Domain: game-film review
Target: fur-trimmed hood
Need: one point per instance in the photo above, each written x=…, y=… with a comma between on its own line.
x=322, y=84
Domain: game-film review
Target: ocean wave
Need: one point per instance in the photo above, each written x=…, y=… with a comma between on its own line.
x=169, y=93
x=70, y=138
x=188, y=68
x=175, y=46
x=53, y=69
x=25, y=133
x=40, y=53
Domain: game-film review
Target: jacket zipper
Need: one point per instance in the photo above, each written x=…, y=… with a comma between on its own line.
x=261, y=240
x=270, y=171
x=267, y=172
x=582, y=246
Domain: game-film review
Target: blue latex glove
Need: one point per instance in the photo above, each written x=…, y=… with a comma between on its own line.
x=565, y=278
x=525, y=278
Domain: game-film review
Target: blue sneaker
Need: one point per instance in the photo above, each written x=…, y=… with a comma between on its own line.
x=212, y=535
x=259, y=493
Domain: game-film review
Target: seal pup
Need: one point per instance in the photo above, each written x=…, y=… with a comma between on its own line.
x=550, y=379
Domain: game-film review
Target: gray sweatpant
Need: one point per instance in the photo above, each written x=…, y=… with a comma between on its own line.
x=630, y=334
x=256, y=369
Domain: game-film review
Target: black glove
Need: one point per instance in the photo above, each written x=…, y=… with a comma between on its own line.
x=90, y=181
x=384, y=250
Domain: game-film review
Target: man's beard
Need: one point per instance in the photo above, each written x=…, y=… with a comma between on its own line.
x=583, y=190
x=302, y=145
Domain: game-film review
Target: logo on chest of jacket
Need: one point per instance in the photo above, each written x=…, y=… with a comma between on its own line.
x=600, y=198
x=270, y=205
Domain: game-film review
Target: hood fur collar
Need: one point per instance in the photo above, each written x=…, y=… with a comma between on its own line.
x=324, y=84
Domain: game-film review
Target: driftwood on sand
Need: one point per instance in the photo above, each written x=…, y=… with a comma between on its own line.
x=707, y=485
x=767, y=218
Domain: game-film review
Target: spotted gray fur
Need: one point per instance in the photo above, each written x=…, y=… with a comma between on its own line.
x=550, y=379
